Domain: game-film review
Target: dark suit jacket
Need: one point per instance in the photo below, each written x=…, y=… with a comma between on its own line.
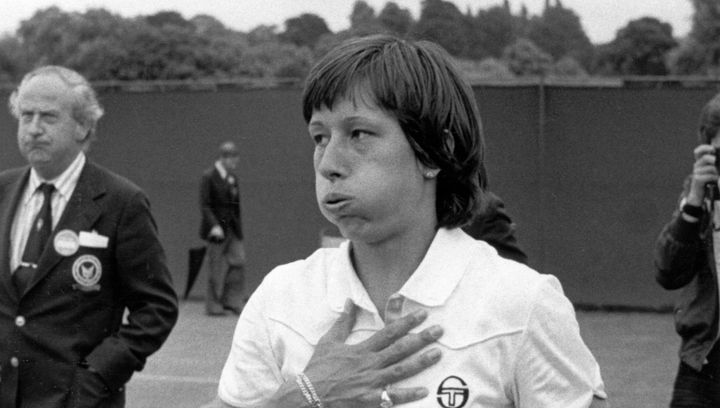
x=493, y=225
x=58, y=324
x=219, y=205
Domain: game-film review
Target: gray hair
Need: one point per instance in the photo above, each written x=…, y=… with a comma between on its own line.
x=86, y=108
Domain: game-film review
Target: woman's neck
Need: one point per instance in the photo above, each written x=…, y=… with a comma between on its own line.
x=384, y=267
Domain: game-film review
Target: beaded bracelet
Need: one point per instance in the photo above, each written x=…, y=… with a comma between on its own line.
x=308, y=391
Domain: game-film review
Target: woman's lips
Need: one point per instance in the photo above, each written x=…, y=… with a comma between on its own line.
x=336, y=201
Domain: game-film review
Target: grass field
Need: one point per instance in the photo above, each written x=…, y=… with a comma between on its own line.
x=637, y=353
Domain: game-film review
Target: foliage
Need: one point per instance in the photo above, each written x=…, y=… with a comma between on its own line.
x=700, y=52
x=493, y=43
x=568, y=67
x=395, y=20
x=363, y=20
x=486, y=69
x=13, y=60
x=304, y=30
x=442, y=22
x=494, y=29
x=638, y=49
x=523, y=57
x=558, y=32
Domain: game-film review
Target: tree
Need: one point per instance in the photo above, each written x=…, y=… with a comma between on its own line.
x=568, y=67
x=363, y=20
x=687, y=58
x=442, y=22
x=304, y=30
x=639, y=48
x=396, y=20
x=558, y=31
x=162, y=46
x=700, y=53
x=52, y=36
x=523, y=58
x=275, y=59
x=494, y=29
x=13, y=61
x=263, y=34
x=486, y=69
x=169, y=18
x=208, y=25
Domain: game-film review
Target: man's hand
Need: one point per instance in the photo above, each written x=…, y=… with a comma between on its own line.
x=216, y=234
x=704, y=171
x=355, y=375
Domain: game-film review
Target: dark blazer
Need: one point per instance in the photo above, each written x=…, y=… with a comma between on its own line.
x=59, y=325
x=493, y=225
x=684, y=259
x=220, y=204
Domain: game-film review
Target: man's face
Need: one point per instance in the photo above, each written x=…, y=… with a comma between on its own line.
x=230, y=162
x=48, y=136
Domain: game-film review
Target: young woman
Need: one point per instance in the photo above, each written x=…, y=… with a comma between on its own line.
x=411, y=310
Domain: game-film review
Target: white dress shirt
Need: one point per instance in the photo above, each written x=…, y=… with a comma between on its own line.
x=510, y=338
x=32, y=200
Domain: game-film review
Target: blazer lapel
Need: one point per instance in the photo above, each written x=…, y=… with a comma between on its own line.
x=80, y=214
x=8, y=202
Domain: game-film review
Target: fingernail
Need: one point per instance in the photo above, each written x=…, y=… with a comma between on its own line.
x=436, y=331
x=433, y=355
x=348, y=305
x=421, y=393
x=420, y=315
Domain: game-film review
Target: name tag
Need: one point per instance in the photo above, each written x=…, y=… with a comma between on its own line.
x=92, y=240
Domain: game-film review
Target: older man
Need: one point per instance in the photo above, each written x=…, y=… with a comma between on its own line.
x=78, y=247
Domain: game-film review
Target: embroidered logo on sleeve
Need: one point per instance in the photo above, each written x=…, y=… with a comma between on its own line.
x=452, y=393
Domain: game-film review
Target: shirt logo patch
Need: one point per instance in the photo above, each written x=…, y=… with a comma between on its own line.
x=87, y=271
x=453, y=392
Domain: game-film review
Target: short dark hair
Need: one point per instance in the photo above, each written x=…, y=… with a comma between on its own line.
x=434, y=105
x=709, y=122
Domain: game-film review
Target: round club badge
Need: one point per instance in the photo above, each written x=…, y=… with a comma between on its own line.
x=87, y=271
x=66, y=242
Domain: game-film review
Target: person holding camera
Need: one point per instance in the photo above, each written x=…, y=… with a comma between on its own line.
x=687, y=256
x=221, y=228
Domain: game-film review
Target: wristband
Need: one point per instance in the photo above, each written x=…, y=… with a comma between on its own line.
x=308, y=391
x=692, y=210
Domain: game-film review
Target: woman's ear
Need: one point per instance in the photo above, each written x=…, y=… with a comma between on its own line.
x=430, y=173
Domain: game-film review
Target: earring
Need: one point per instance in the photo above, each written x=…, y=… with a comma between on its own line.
x=430, y=174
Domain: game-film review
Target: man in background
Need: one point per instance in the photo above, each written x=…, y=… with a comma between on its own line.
x=221, y=228
x=78, y=248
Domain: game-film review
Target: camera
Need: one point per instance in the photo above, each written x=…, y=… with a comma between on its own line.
x=712, y=192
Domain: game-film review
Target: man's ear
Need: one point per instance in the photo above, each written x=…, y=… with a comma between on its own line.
x=82, y=132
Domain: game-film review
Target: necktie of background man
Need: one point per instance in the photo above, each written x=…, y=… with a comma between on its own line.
x=38, y=238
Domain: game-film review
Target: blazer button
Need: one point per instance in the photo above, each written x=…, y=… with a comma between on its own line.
x=14, y=362
x=19, y=321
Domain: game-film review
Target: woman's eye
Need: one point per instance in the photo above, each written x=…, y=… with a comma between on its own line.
x=319, y=139
x=359, y=133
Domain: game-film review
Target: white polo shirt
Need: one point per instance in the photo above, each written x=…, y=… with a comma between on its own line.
x=510, y=335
